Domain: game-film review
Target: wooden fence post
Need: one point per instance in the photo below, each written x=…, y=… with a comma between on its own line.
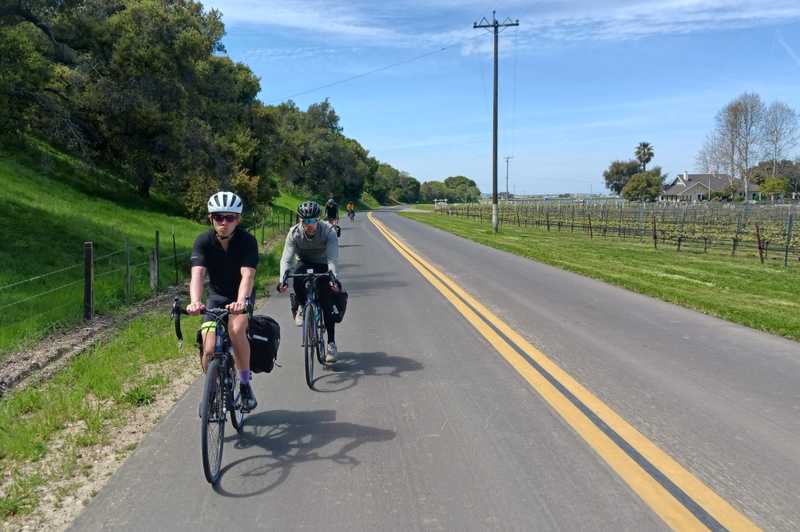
x=157, y=251
x=153, y=274
x=88, y=280
x=760, y=244
x=572, y=230
x=128, y=285
x=788, y=239
x=655, y=232
x=175, y=256
x=591, y=233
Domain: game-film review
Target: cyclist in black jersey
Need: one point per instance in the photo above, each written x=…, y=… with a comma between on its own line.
x=230, y=256
x=331, y=211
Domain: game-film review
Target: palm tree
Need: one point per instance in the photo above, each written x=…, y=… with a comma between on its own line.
x=644, y=153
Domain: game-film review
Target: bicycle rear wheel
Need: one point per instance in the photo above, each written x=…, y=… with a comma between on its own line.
x=212, y=425
x=309, y=343
x=237, y=416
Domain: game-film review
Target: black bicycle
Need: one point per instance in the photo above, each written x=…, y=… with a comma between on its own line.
x=220, y=391
x=334, y=222
x=313, y=323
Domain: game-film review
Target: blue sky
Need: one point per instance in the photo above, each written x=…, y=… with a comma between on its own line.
x=581, y=82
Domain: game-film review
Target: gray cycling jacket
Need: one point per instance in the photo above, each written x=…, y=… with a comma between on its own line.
x=322, y=248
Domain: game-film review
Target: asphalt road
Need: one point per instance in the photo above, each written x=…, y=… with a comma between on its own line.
x=424, y=426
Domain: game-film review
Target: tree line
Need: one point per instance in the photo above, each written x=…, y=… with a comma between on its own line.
x=144, y=88
x=753, y=142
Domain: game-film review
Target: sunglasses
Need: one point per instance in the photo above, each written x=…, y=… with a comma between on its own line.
x=310, y=221
x=226, y=217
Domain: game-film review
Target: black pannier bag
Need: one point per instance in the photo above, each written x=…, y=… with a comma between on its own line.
x=265, y=339
x=339, y=306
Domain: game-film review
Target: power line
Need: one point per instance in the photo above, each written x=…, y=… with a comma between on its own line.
x=370, y=72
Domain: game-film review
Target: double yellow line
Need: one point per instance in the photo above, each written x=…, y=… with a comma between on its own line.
x=672, y=492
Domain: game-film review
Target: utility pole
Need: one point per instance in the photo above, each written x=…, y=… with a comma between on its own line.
x=495, y=28
x=507, y=159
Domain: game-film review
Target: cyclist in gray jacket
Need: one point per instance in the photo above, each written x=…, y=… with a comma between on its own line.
x=316, y=247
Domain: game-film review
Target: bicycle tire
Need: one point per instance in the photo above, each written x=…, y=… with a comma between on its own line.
x=212, y=426
x=309, y=344
x=320, y=339
x=237, y=416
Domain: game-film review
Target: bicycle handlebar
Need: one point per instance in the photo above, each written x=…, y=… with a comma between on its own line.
x=219, y=314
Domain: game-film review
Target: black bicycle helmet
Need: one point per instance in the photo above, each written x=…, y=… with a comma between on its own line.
x=308, y=209
x=331, y=201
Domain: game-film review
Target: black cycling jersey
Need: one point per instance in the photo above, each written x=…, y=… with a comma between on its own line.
x=331, y=212
x=224, y=267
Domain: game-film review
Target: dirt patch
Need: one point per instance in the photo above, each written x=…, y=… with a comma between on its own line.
x=51, y=354
x=79, y=473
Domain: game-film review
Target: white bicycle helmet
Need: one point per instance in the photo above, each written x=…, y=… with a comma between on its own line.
x=225, y=202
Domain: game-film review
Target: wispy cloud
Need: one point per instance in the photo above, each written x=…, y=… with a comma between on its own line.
x=446, y=22
x=789, y=49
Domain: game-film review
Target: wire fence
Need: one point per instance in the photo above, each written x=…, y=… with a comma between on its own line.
x=767, y=232
x=104, y=281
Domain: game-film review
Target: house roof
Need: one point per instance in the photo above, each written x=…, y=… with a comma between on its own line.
x=691, y=184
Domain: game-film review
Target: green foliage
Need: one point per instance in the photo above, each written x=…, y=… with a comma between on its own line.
x=786, y=168
x=618, y=174
x=142, y=88
x=728, y=193
x=644, y=154
x=388, y=184
x=644, y=186
x=464, y=188
x=775, y=186
x=24, y=73
x=455, y=189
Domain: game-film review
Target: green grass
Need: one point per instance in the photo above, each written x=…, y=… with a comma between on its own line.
x=367, y=202
x=288, y=201
x=56, y=203
x=91, y=395
x=739, y=289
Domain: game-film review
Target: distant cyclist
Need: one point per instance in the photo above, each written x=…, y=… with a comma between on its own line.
x=351, y=211
x=316, y=247
x=230, y=256
x=331, y=211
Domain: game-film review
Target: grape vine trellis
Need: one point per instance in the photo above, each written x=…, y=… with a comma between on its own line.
x=768, y=231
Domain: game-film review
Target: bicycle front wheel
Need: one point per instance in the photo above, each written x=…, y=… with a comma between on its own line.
x=309, y=343
x=237, y=416
x=320, y=338
x=212, y=426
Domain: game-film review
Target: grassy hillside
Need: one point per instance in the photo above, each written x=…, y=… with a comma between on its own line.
x=53, y=204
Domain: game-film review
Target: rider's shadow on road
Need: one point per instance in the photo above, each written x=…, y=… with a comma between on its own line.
x=352, y=367
x=290, y=439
